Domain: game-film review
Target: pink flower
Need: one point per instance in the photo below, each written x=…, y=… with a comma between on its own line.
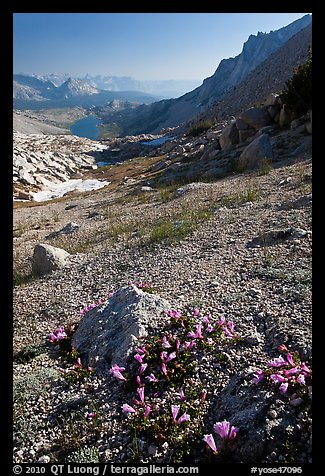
x=227, y=332
x=171, y=356
x=78, y=363
x=197, y=334
x=222, y=321
x=203, y=395
x=282, y=348
x=57, y=335
x=258, y=376
x=178, y=343
x=128, y=409
x=130, y=283
x=290, y=360
x=143, y=368
x=90, y=415
x=164, y=368
x=196, y=312
x=210, y=441
x=175, y=410
x=163, y=355
x=283, y=387
x=152, y=378
x=138, y=380
x=277, y=378
x=147, y=411
x=141, y=350
x=173, y=313
x=301, y=379
x=181, y=395
x=205, y=320
x=166, y=344
x=184, y=417
x=140, y=391
x=292, y=371
x=305, y=368
x=225, y=431
x=210, y=341
x=209, y=328
x=277, y=362
x=230, y=325
x=139, y=358
x=116, y=372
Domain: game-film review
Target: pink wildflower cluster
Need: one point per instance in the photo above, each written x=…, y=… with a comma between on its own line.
x=205, y=326
x=224, y=430
x=77, y=372
x=57, y=335
x=185, y=417
x=95, y=304
x=285, y=371
x=140, y=285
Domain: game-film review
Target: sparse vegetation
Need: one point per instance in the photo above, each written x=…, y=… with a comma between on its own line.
x=199, y=128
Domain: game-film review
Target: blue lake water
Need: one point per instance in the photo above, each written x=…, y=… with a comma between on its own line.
x=159, y=141
x=86, y=127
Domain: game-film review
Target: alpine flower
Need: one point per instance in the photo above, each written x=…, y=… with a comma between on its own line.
x=143, y=368
x=147, y=411
x=277, y=362
x=116, y=372
x=184, y=417
x=225, y=431
x=127, y=408
x=283, y=387
x=210, y=441
x=152, y=378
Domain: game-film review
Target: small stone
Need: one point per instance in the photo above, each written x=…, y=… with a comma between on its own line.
x=44, y=459
x=152, y=450
x=273, y=414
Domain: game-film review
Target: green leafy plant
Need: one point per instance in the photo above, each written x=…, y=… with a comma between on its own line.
x=297, y=94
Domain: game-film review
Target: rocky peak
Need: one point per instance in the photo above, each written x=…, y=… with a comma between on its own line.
x=75, y=87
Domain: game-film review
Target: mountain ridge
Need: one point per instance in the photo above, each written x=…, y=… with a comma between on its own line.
x=229, y=73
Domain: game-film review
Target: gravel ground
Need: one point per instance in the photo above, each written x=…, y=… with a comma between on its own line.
x=234, y=263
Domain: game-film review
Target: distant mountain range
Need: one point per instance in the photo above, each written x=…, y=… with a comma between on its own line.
x=62, y=86
x=31, y=92
x=229, y=74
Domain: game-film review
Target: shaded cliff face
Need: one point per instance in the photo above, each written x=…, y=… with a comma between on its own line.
x=269, y=76
x=230, y=73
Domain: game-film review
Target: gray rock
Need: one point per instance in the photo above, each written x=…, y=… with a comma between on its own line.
x=229, y=136
x=66, y=230
x=272, y=100
x=257, y=150
x=256, y=117
x=47, y=258
x=108, y=333
x=152, y=450
x=285, y=117
x=247, y=405
x=245, y=134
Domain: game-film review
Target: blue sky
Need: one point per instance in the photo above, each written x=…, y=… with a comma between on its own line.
x=146, y=46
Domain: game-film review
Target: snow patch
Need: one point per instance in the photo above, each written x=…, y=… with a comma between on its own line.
x=55, y=190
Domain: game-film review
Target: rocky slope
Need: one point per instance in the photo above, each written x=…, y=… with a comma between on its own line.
x=271, y=75
x=239, y=247
x=230, y=73
x=28, y=125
